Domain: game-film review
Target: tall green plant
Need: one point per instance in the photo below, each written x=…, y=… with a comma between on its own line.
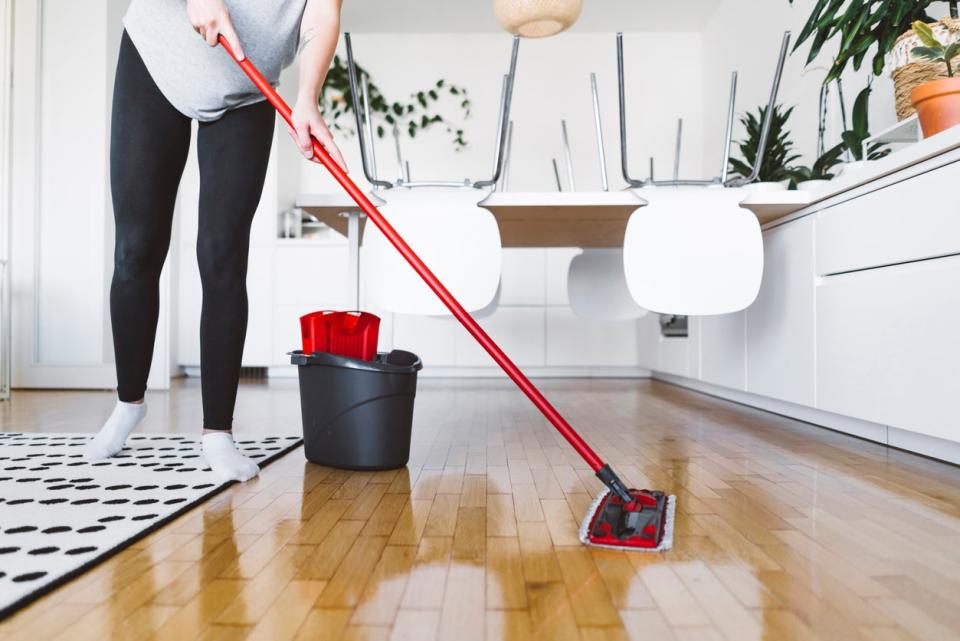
x=859, y=131
x=859, y=24
x=777, y=163
x=336, y=102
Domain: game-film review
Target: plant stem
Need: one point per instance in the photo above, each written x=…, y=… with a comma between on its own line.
x=949, y=68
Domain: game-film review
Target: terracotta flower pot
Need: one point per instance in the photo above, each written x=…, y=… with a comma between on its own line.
x=938, y=105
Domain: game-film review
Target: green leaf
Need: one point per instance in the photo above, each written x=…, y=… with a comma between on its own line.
x=929, y=53
x=925, y=34
x=853, y=144
x=861, y=113
x=952, y=51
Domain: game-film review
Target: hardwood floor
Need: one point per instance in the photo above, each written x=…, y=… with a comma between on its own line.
x=783, y=530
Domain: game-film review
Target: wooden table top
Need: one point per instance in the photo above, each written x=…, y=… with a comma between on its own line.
x=561, y=219
x=526, y=219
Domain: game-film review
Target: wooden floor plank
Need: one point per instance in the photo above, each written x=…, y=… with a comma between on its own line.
x=782, y=532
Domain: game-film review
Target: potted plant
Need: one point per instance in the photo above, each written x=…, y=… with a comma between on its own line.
x=861, y=25
x=776, y=167
x=937, y=101
x=817, y=175
x=859, y=131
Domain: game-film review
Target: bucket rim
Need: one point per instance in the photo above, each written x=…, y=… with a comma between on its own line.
x=379, y=365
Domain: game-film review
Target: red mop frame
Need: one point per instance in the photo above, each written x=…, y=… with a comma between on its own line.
x=428, y=277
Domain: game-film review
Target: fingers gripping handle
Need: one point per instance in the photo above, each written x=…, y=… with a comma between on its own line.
x=518, y=377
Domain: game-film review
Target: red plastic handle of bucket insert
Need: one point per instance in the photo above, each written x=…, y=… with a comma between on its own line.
x=518, y=377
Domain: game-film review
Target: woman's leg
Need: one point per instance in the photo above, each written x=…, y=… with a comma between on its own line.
x=149, y=141
x=233, y=153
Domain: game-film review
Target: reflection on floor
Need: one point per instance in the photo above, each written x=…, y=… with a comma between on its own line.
x=784, y=531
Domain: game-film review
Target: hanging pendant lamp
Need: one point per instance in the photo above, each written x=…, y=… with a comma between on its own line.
x=536, y=18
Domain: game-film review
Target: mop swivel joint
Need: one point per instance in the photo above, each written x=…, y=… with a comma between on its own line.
x=612, y=481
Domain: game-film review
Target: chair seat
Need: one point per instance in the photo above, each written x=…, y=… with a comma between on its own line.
x=458, y=241
x=693, y=251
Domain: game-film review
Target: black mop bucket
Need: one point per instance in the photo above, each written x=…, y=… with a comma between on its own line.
x=357, y=414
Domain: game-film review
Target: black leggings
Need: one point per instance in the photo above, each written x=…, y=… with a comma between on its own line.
x=148, y=149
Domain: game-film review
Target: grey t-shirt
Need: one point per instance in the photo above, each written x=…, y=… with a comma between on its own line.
x=203, y=82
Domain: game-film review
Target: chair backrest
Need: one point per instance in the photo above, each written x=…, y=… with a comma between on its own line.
x=458, y=241
x=693, y=251
x=597, y=286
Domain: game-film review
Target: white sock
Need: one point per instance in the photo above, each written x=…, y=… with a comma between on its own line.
x=225, y=459
x=111, y=437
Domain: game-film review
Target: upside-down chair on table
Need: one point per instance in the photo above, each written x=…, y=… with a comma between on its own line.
x=440, y=220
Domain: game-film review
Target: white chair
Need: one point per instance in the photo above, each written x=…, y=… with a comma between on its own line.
x=440, y=220
x=458, y=241
x=693, y=251
x=597, y=287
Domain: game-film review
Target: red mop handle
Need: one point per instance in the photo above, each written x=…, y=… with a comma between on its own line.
x=452, y=304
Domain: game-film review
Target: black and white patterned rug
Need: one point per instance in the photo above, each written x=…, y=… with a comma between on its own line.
x=60, y=514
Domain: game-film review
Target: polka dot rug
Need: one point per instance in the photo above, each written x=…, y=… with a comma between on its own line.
x=61, y=515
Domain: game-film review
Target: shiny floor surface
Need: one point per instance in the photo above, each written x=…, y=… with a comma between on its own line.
x=783, y=530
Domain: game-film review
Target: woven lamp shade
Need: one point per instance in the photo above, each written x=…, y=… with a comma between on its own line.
x=536, y=18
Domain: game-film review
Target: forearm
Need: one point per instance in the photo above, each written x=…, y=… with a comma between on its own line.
x=319, y=32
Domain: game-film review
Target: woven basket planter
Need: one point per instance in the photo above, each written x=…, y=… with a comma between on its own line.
x=908, y=73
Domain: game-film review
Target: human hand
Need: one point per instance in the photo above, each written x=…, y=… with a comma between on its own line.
x=210, y=19
x=308, y=122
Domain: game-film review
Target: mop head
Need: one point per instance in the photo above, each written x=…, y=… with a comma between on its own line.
x=644, y=525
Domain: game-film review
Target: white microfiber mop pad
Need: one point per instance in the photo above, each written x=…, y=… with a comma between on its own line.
x=665, y=544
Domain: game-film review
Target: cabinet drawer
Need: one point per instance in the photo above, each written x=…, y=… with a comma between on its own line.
x=910, y=220
x=888, y=345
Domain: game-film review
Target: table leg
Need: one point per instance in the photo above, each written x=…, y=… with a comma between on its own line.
x=353, y=257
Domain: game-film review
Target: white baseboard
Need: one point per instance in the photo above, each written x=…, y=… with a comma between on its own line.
x=930, y=446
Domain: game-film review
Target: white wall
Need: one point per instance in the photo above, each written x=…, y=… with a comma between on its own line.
x=553, y=82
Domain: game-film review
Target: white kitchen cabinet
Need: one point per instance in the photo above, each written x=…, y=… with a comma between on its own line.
x=285, y=332
x=573, y=341
x=432, y=338
x=518, y=331
x=780, y=330
x=676, y=355
x=558, y=264
x=648, y=341
x=906, y=220
x=723, y=352
x=310, y=275
x=523, y=276
x=888, y=343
